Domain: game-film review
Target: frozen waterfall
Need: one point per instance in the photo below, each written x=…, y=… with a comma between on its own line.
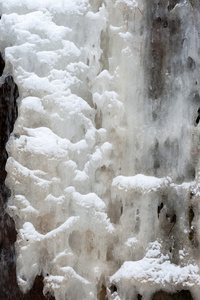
x=100, y=109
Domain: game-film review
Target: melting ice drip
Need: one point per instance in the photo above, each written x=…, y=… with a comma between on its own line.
x=104, y=95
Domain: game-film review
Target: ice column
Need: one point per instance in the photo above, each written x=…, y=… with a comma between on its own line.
x=103, y=161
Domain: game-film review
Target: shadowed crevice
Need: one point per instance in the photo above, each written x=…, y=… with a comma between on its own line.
x=181, y=295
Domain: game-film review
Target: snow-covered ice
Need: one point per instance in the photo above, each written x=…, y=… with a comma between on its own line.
x=103, y=161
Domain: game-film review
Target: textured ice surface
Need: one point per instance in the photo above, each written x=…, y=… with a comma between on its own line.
x=104, y=158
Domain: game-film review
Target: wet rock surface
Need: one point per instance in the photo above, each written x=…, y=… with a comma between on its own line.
x=181, y=295
x=8, y=115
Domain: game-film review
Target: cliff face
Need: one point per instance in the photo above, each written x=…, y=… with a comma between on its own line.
x=102, y=189
x=8, y=95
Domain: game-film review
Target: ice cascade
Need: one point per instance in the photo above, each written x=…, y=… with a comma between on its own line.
x=103, y=161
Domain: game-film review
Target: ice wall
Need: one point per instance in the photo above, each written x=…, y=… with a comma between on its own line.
x=103, y=161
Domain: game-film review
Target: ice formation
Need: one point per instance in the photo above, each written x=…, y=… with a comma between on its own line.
x=103, y=161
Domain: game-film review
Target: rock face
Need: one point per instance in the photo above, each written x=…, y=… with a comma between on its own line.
x=8, y=111
x=176, y=296
x=102, y=189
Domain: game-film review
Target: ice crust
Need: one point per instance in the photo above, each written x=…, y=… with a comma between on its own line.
x=156, y=268
x=102, y=191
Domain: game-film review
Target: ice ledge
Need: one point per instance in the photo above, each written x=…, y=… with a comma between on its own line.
x=155, y=269
x=140, y=182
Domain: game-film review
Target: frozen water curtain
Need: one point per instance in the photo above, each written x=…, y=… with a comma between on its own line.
x=100, y=147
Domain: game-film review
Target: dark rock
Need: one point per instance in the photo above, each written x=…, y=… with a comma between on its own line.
x=182, y=295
